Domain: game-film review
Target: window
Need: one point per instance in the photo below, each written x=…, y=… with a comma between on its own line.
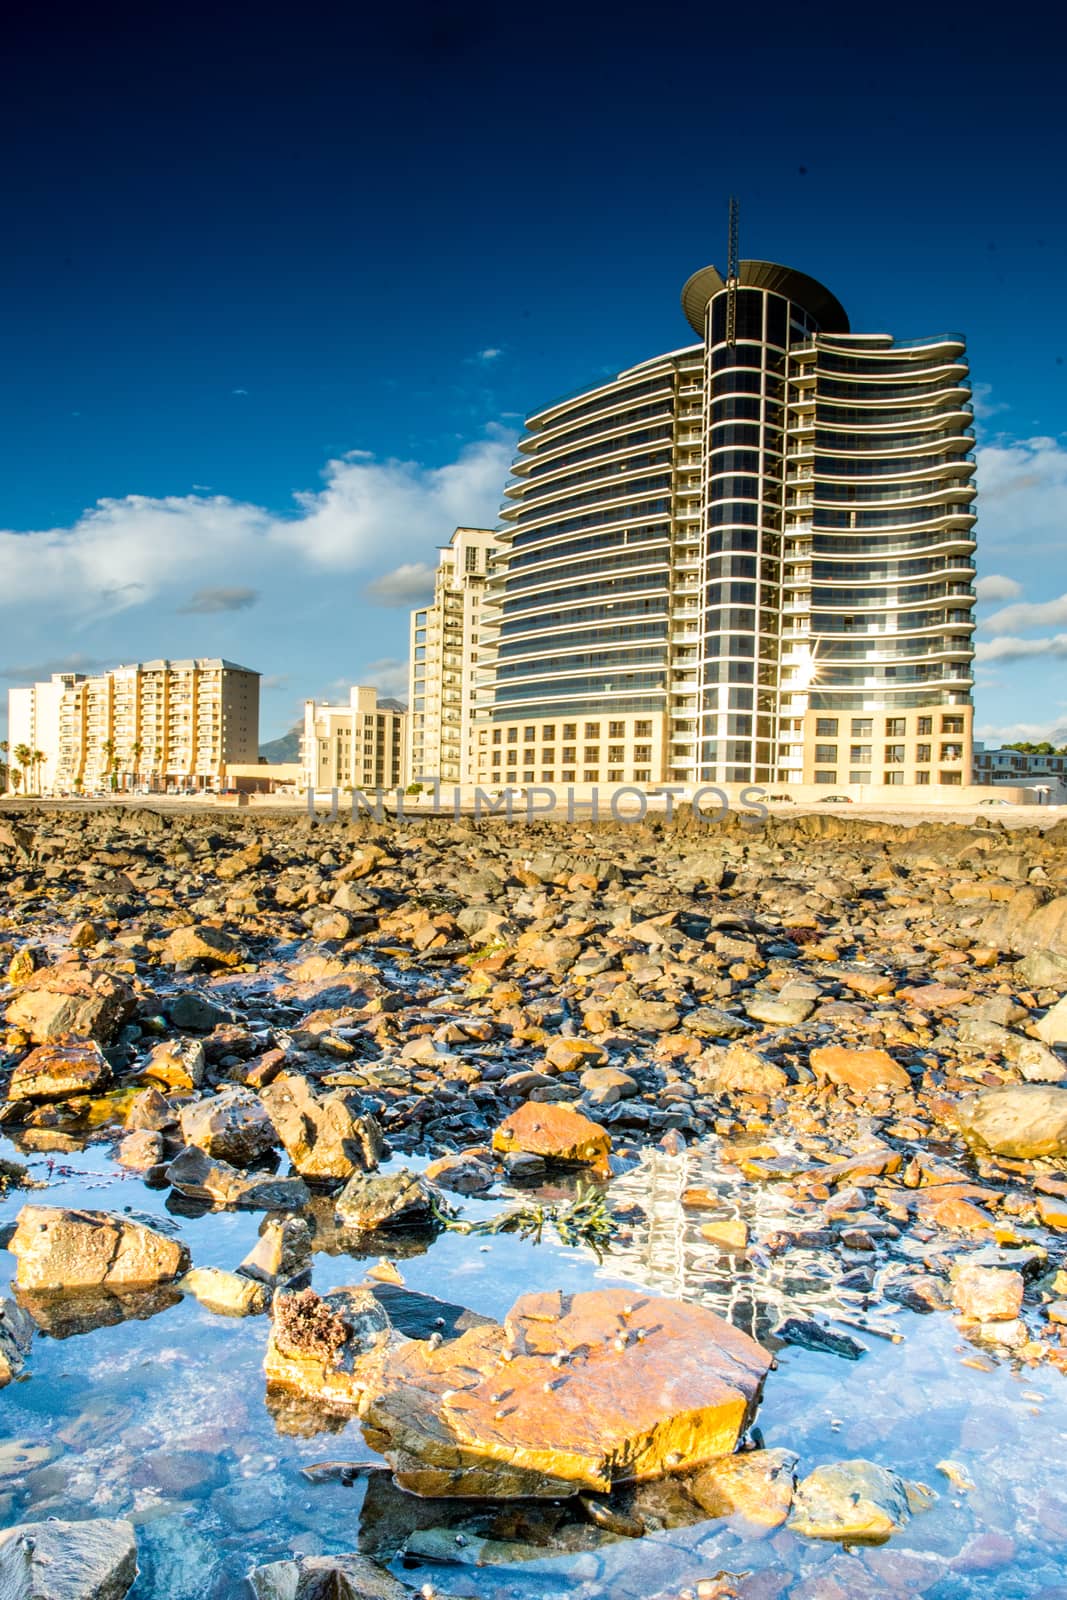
x=570, y=730
x=894, y=777
x=858, y=752
x=590, y=776
x=859, y=777
x=642, y=775
x=922, y=751
x=862, y=727
x=616, y=730
x=496, y=735
x=951, y=777
x=615, y=775
x=922, y=777
x=513, y=736
x=952, y=752
x=569, y=753
x=642, y=752
x=951, y=724
x=825, y=728
x=529, y=735
x=592, y=752
x=548, y=732
x=642, y=730
x=547, y=777
x=615, y=752
x=511, y=777
x=924, y=725
x=567, y=777
x=592, y=730
x=527, y=777
x=895, y=727
x=470, y=560
x=548, y=755
x=825, y=754
x=826, y=777
x=894, y=755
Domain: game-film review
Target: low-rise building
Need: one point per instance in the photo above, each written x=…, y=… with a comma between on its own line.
x=1028, y=768
x=355, y=746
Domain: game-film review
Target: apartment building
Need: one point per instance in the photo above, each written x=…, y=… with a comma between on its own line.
x=749, y=560
x=1031, y=768
x=155, y=724
x=445, y=653
x=355, y=746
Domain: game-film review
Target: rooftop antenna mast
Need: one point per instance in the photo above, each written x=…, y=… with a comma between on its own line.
x=731, y=276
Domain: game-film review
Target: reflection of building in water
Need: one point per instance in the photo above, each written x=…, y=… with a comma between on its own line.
x=753, y=1290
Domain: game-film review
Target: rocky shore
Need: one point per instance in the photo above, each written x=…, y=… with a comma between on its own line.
x=838, y=1044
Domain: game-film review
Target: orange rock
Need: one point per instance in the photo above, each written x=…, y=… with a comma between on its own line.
x=860, y=1070
x=555, y=1132
x=67, y=1066
x=960, y=1216
x=574, y=1392
x=935, y=996
x=728, y=1235
x=756, y=1488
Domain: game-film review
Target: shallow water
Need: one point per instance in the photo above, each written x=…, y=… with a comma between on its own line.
x=165, y=1420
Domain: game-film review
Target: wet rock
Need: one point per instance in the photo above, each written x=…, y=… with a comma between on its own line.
x=1021, y=1120
x=196, y=1174
x=88, y=1004
x=141, y=1150
x=55, y=1071
x=463, y=1173
x=202, y=945
x=556, y=1133
x=811, y=1335
x=54, y=1560
x=986, y=1294
x=232, y=1126
x=856, y=1502
x=282, y=1252
x=16, y=1334
x=606, y=1086
x=63, y=1249
x=862, y=1071
x=332, y=1347
x=739, y=1069
x=325, y=1136
x=228, y=1293
x=326, y=1578
x=571, y=1392
x=370, y=1201
x=149, y=1110
x=755, y=1487
x=194, y=1011
x=177, y=1064
x=423, y=1316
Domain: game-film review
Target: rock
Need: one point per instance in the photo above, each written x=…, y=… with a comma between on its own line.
x=149, y=1110
x=325, y=1135
x=986, y=1294
x=381, y=1200
x=16, y=1335
x=63, y=1249
x=739, y=1069
x=730, y=1234
x=778, y=1012
x=567, y=1055
x=332, y=1348
x=91, y=1560
x=141, y=1150
x=521, y=1167
x=606, y=1086
x=1021, y=1120
x=556, y=1133
x=1052, y=1029
x=463, y=1173
x=1023, y=923
x=228, y=1293
x=194, y=1011
x=282, y=1252
x=177, y=1064
x=811, y=1335
x=1038, y=1064
x=651, y=1016
x=55, y=1071
x=856, y=1502
x=326, y=1578
x=572, y=1392
x=202, y=944
x=86, y=1003
x=755, y=1487
x=232, y=1126
x=196, y=1174
x=862, y=1071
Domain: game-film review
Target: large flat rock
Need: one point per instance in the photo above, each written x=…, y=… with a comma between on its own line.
x=59, y=1248
x=573, y=1392
x=92, y=1560
x=1023, y=1120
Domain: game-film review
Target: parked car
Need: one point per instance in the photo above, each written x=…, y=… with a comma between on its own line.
x=836, y=800
x=780, y=800
x=994, y=802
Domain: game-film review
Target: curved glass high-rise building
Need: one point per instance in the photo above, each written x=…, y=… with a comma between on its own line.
x=750, y=560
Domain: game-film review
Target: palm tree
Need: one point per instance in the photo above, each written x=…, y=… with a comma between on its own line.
x=4, y=768
x=39, y=759
x=136, y=752
x=108, y=748
x=23, y=755
x=16, y=779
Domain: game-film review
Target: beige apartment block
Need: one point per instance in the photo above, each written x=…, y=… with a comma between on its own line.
x=630, y=749
x=355, y=746
x=447, y=645
x=890, y=749
x=154, y=725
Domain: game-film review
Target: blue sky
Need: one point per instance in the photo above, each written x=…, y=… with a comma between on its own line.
x=280, y=285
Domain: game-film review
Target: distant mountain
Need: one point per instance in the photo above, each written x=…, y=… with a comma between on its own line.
x=287, y=748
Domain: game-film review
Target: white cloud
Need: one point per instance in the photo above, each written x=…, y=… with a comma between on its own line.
x=1011, y=733
x=37, y=671
x=1028, y=614
x=998, y=587
x=388, y=676
x=491, y=353
x=407, y=585
x=1008, y=648
x=125, y=552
